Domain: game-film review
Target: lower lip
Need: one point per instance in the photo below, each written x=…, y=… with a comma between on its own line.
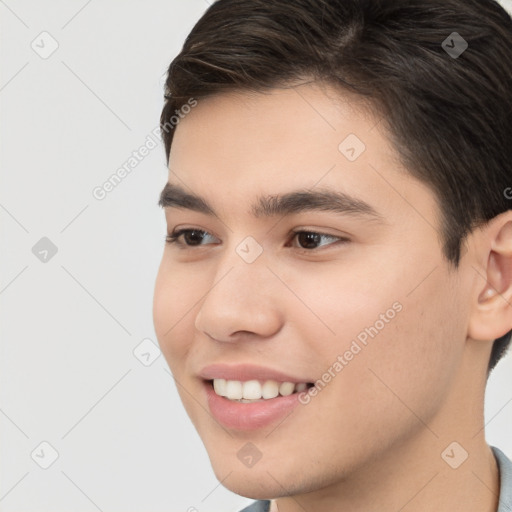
x=249, y=416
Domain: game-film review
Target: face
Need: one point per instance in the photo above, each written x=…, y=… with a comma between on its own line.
x=350, y=293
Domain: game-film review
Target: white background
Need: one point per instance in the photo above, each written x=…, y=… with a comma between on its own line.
x=70, y=325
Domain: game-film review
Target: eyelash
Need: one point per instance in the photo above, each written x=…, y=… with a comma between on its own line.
x=173, y=238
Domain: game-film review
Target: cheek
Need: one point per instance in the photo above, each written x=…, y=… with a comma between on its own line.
x=174, y=297
x=410, y=362
x=396, y=334
x=346, y=302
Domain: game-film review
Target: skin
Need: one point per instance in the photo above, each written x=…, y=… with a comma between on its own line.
x=373, y=437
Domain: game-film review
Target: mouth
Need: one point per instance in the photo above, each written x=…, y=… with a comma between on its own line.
x=251, y=391
x=253, y=404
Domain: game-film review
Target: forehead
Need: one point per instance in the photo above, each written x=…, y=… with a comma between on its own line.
x=280, y=128
x=239, y=145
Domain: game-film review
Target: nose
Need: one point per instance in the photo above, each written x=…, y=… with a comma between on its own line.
x=243, y=302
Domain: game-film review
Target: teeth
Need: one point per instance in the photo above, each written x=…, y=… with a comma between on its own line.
x=233, y=389
x=254, y=390
x=286, y=388
x=251, y=390
x=219, y=385
x=270, y=389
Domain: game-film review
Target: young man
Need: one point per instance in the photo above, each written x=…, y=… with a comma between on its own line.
x=337, y=283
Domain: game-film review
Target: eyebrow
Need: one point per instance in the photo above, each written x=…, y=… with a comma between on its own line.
x=296, y=201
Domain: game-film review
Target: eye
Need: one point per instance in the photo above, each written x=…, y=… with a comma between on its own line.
x=189, y=235
x=306, y=239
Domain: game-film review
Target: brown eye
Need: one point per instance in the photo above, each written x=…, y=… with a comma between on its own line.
x=191, y=237
x=309, y=240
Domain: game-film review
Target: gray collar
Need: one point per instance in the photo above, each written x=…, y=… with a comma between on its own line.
x=505, y=467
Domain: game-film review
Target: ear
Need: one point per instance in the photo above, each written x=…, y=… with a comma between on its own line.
x=491, y=312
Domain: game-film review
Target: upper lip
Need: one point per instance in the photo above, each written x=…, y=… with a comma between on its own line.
x=245, y=372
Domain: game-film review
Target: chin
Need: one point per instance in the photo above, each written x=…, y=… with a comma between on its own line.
x=253, y=486
x=264, y=481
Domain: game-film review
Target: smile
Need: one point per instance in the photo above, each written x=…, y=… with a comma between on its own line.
x=255, y=390
x=276, y=400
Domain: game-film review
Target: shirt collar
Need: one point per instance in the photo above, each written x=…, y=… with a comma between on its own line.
x=505, y=468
